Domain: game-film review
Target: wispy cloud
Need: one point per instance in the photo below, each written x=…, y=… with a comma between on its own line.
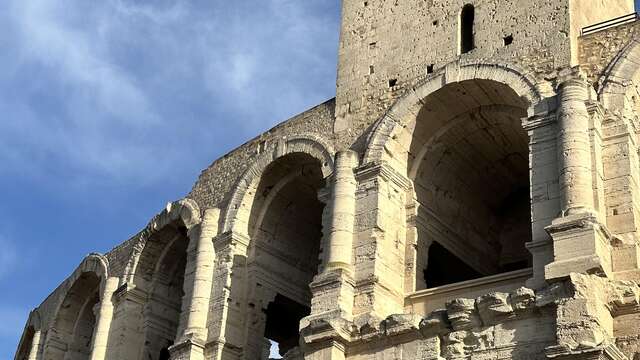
x=124, y=90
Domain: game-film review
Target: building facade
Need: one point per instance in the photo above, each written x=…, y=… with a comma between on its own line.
x=472, y=192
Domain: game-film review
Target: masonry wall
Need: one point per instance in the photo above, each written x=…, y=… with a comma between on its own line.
x=370, y=308
x=588, y=12
x=215, y=183
x=387, y=40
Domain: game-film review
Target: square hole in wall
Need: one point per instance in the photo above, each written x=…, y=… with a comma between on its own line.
x=393, y=82
x=508, y=40
x=371, y=70
x=430, y=69
x=435, y=22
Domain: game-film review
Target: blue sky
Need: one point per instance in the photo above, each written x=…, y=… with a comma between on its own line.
x=112, y=108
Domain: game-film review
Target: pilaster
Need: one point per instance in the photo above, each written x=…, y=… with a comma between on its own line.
x=126, y=340
x=227, y=311
x=35, y=345
x=380, y=246
x=333, y=289
x=581, y=243
x=544, y=190
x=103, y=320
x=192, y=333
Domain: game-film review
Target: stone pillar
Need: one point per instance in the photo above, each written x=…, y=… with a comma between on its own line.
x=192, y=333
x=333, y=289
x=339, y=248
x=381, y=243
x=228, y=311
x=35, y=345
x=574, y=148
x=581, y=243
x=103, y=321
x=542, y=130
x=127, y=340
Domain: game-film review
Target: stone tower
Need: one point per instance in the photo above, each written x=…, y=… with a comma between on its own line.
x=472, y=192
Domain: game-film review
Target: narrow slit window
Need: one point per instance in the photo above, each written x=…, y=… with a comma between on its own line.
x=466, y=28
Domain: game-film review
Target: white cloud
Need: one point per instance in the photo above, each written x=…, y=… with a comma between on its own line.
x=79, y=57
x=102, y=88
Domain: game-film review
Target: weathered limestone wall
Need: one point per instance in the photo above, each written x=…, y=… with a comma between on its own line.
x=215, y=183
x=387, y=40
x=588, y=12
x=339, y=238
x=597, y=51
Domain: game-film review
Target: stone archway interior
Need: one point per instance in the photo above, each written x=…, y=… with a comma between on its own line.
x=470, y=167
x=164, y=280
x=75, y=322
x=285, y=230
x=25, y=347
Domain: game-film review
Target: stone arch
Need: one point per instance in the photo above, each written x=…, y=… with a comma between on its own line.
x=408, y=106
x=458, y=129
x=185, y=212
x=614, y=85
x=237, y=212
x=155, y=275
x=275, y=208
x=28, y=337
x=71, y=331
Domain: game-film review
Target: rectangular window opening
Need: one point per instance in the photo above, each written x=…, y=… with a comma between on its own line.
x=393, y=82
x=508, y=40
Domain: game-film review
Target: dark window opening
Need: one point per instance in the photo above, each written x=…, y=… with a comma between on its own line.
x=508, y=40
x=445, y=268
x=393, y=82
x=366, y=3
x=467, y=18
x=164, y=352
x=435, y=23
x=283, y=321
x=371, y=70
x=430, y=69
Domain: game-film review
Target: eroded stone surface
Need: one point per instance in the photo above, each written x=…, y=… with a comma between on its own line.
x=446, y=205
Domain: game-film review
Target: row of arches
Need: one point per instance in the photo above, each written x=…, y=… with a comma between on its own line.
x=460, y=143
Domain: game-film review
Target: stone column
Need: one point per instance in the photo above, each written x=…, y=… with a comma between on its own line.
x=581, y=244
x=333, y=289
x=103, y=321
x=343, y=207
x=574, y=148
x=198, y=281
x=35, y=345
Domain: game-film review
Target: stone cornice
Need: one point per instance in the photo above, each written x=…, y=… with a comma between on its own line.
x=536, y=122
x=600, y=352
x=130, y=292
x=385, y=171
x=230, y=238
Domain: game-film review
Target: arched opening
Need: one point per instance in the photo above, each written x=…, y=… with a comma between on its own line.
x=469, y=162
x=161, y=273
x=72, y=333
x=467, y=18
x=285, y=230
x=25, y=344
